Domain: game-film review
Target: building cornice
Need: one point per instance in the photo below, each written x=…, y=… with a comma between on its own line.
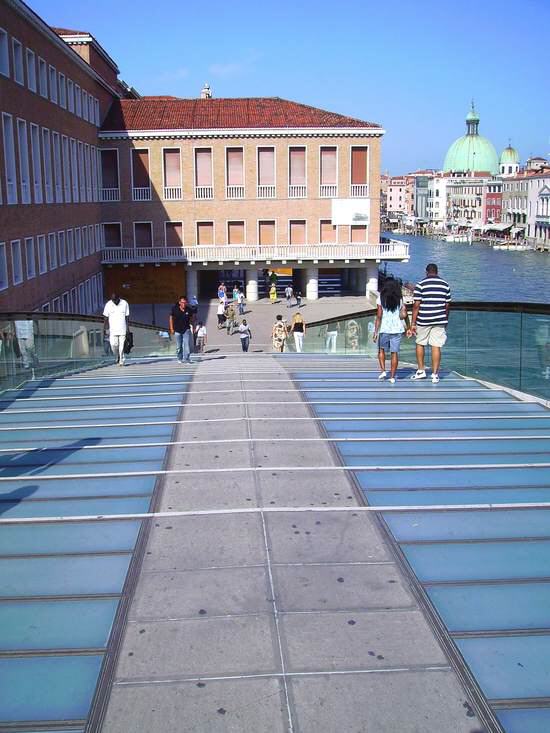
x=45, y=29
x=243, y=133
x=73, y=40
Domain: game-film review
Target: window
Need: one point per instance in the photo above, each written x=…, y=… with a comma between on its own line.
x=173, y=231
x=74, y=300
x=77, y=101
x=29, y=258
x=81, y=171
x=85, y=105
x=93, y=163
x=70, y=245
x=42, y=78
x=52, y=247
x=3, y=261
x=266, y=173
x=31, y=70
x=88, y=172
x=47, y=153
x=9, y=159
x=18, y=74
x=70, y=95
x=327, y=232
x=235, y=232
x=66, y=168
x=85, y=247
x=234, y=173
x=74, y=170
x=297, y=232
x=172, y=173
x=24, y=175
x=65, y=302
x=5, y=70
x=328, y=174
x=98, y=242
x=36, y=164
x=62, y=91
x=296, y=172
x=109, y=175
x=143, y=234
x=53, y=84
x=78, y=243
x=359, y=171
x=91, y=238
x=62, y=248
x=358, y=234
x=97, y=113
x=58, y=177
x=56, y=305
x=141, y=182
x=112, y=235
x=16, y=262
x=203, y=174
x=45, y=308
x=205, y=233
x=266, y=233
x=42, y=256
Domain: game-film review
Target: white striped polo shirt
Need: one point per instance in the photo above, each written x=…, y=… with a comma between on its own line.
x=433, y=293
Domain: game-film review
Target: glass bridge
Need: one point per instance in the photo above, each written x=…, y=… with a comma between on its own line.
x=458, y=474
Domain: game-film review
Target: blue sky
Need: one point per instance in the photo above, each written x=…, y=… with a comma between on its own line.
x=412, y=67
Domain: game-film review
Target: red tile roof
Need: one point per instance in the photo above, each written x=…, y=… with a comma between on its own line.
x=153, y=113
x=69, y=32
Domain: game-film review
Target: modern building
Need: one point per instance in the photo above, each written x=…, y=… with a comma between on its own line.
x=100, y=188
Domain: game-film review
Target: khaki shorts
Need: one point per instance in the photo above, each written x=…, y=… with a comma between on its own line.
x=431, y=335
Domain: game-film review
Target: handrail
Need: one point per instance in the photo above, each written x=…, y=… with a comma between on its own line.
x=40, y=315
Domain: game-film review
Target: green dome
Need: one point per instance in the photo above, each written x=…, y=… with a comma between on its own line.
x=471, y=152
x=509, y=156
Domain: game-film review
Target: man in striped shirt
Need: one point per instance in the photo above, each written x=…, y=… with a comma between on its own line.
x=432, y=297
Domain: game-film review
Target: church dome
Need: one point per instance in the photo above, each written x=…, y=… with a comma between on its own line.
x=471, y=152
x=509, y=156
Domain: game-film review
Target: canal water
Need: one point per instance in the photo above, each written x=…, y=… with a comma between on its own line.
x=478, y=272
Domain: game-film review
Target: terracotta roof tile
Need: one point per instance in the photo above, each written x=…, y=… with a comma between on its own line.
x=69, y=32
x=171, y=113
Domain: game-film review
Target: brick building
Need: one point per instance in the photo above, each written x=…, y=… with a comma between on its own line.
x=158, y=195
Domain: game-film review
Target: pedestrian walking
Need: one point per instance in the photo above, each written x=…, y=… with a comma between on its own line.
x=241, y=303
x=389, y=326
x=273, y=294
x=245, y=334
x=430, y=317
x=278, y=334
x=221, y=292
x=116, y=314
x=288, y=295
x=298, y=328
x=231, y=319
x=181, y=324
x=24, y=333
x=200, y=337
x=235, y=294
x=298, y=296
x=221, y=314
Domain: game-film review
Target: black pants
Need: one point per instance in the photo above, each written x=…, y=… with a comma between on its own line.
x=245, y=342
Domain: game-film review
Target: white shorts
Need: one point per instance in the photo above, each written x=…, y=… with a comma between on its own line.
x=431, y=335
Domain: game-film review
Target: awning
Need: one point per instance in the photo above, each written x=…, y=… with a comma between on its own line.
x=497, y=227
x=517, y=228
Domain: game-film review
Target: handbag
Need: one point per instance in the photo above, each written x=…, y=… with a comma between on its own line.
x=128, y=342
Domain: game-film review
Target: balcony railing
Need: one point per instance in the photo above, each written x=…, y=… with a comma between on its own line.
x=391, y=250
x=172, y=193
x=204, y=192
x=234, y=192
x=328, y=190
x=141, y=193
x=266, y=191
x=110, y=194
x=297, y=192
x=359, y=190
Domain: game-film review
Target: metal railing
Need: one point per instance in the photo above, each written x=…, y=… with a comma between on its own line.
x=141, y=193
x=391, y=250
x=204, y=192
x=172, y=193
x=359, y=190
x=234, y=192
x=328, y=190
x=266, y=191
x=297, y=191
x=110, y=194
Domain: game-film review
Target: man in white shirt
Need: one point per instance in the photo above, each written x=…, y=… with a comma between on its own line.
x=116, y=314
x=288, y=295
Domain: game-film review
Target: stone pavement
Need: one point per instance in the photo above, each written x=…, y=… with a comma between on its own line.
x=268, y=622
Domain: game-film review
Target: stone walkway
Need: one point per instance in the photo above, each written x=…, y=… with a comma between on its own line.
x=268, y=622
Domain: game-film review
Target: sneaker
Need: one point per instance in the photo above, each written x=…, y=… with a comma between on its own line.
x=180, y=361
x=392, y=380
x=435, y=378
x=382, y=375
x=419, y=374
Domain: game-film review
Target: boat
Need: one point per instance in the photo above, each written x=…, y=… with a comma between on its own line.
x=456, y=238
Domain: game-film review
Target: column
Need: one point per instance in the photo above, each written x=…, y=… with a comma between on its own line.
x=251, y=285
x=372, y=279
x=312, y=283
x=191, y=282
x=361, y=281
